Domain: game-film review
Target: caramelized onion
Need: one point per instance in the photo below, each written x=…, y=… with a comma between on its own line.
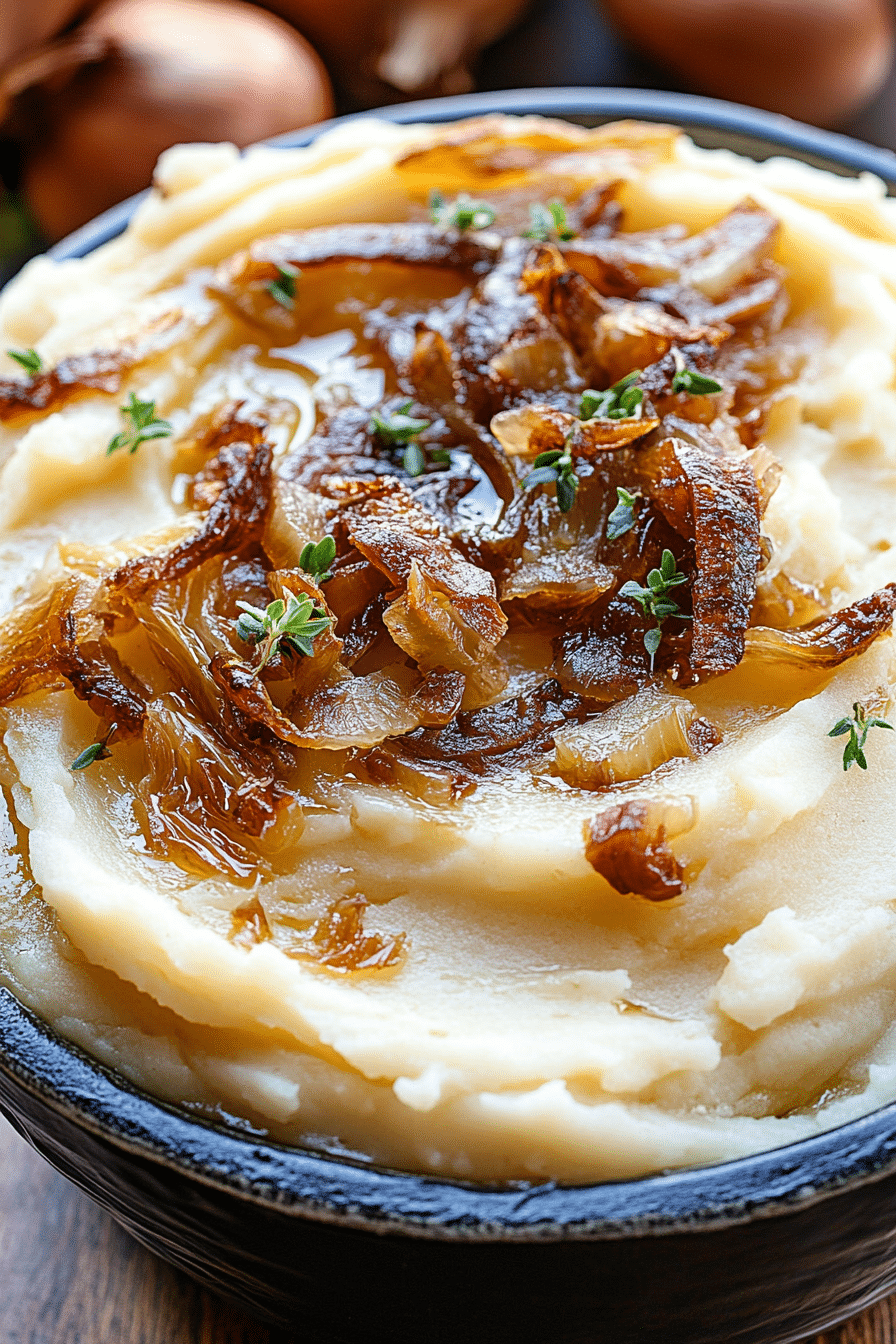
x=362, y=711
x=557, y=569
x=238, y=481
x=426, y=624
x=249, y=925
x=527, y=431
x=628, y=740
x=338, y=941
x=60, y=637
x=203, y=804
x=296, y=517
x=498, y=738
x=505, y=339
x=245, y=280
x=829, y=642
x=628, y=845
x=713, y=261
x=712, y=497
x=388, y=527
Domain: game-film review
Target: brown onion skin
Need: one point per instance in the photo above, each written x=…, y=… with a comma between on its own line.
x=177, y=70
x=355, y=35
x=818, y=60
x=24, y=25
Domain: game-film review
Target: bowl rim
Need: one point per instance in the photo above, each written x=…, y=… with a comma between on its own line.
x=828, y=149
x=53, y=1073
x=39, y=1067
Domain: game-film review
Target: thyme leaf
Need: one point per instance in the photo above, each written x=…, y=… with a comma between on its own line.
x=462, y=213
x=283, y=289
x=97, y=751
x=694, y=383
x=413, y=460
x=294, y=623
x=548, y=223
x=623, y=401
x=30, y=360
x=399, y=427
x=690, y=381
x=622, y=519
x=317, y=557
x=142, y=424
x=858, y=728
x=555, y=467
x=654, y=599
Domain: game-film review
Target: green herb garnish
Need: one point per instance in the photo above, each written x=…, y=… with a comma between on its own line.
x=622, y=519
x=549, y=222
x=283, y=289
x=622, y=401
x=97, y=751
x=316, y=559
x=143, y=425
x=555, y=467
x=294, y=623
x=462, y=213
x=399, y=428
x=30, y=360
x=654, y=600
x=695, y=384
x=858, y=728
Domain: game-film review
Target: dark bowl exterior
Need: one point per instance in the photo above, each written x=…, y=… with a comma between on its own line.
x=766, y=1249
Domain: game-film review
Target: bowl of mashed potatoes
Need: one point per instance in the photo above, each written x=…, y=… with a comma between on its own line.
x=447, y=678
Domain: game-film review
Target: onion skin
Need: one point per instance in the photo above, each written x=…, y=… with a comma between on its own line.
x=377, y=49
x=815, y=59
x=174, y=70
x=23, y=26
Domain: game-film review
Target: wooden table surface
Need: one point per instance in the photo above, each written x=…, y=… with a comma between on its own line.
x=69, y=1275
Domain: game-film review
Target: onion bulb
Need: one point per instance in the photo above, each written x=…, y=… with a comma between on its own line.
x=815, y=59
x=25, y=26
x=376, y=48
x=161, y=72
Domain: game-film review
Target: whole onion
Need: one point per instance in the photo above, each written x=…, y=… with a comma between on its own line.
x=814, y=59
x=141, y=75
x=377, y=48
x=24, y=26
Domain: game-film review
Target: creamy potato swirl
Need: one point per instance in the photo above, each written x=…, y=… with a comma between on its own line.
x=455, y=964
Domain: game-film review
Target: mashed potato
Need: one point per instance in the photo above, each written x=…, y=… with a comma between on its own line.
x=638, y=916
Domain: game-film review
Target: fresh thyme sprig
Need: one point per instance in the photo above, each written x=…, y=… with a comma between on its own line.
x=858, y=728
x=555, y=467
x=622, y=519
x=143, y=425
x=690, y=381
x=283, y=289
x=622, y=401
x=549, y=223
x=654, y=600
x=462, y=213
x=30, y=360
x=316, y=559
x=294, y=623
x=401, y=428
x=97, y=751
x=695, y=384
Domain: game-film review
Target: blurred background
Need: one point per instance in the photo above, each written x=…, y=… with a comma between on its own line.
x=91, y=93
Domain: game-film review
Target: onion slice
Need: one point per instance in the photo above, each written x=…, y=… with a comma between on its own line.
x=628, y=740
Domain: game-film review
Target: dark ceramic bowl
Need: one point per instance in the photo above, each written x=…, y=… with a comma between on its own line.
x=766, y=1249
